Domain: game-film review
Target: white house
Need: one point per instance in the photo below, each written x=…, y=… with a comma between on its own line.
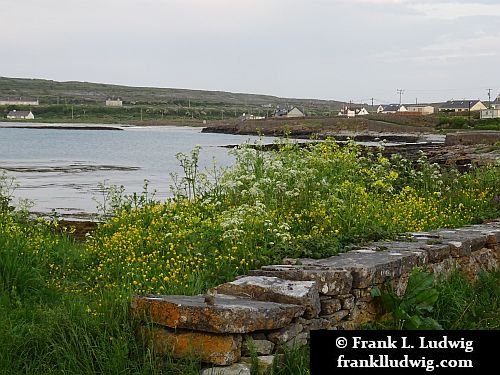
x=490, y=113
x=421, y=109
x=462, y=106
x=20, y=115
x=114, y=102
x=392, y=108
x=353, y=111
x=295, y=112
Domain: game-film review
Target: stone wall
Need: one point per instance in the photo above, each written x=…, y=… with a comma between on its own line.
x=278, y=305
x=472, y=138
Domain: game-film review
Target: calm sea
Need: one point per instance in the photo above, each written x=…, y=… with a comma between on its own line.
x=60, y=169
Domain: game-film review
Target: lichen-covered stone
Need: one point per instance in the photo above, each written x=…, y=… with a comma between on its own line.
x=261, y=347
x=330, y=306
x=329, y=281
x=364, y=295
x=236, y=369
x=443, y=268
x=492, y=238
x=362, y=312
x=336, y=317
x=219, y=349
x=227, y=314
x=367, y=268
x=315, y=324
x=437, y=252
x=285, y=334
x=481, y=260
x=264, y=363
x=274, y=289
x=298, y=341
x=347, y=301
x=460, y=249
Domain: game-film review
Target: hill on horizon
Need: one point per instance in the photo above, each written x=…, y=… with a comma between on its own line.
x=74, y=92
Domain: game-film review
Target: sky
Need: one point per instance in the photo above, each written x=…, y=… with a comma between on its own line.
x=327, y=49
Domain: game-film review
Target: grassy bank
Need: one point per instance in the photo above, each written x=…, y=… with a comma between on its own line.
x=64, y=303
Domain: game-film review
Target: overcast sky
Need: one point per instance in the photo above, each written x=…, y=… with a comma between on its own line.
x=329, y=49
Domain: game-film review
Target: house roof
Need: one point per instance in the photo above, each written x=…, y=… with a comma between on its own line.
x=418, y=105
x=497, y=100
x=19, y=113
x=392, y=108
x=464, y=104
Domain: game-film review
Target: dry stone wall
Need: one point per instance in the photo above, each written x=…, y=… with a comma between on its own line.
x=278, y=305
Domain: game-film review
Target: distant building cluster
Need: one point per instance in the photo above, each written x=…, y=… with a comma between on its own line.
x=352, y=111
x=451, y=106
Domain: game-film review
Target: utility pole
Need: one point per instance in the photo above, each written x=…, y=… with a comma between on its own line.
x=400, y=92
x=141, y=113
x=72, y=113
x=489, y=95
x=469, y=114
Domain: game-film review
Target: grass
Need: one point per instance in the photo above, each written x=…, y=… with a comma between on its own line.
x=64, y=304
x=465, y=305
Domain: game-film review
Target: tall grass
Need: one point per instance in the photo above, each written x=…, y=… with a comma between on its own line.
x=466, y=305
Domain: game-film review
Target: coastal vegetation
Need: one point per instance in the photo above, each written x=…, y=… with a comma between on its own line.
x=65, y=303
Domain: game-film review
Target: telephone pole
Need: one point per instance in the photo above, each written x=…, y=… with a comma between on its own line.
x=400, y=92
x=489, y=95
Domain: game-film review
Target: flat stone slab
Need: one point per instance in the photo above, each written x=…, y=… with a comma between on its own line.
x=219, y=349
x=227, y=314
x=369, y=268
x=329, y=282
x=274, y=289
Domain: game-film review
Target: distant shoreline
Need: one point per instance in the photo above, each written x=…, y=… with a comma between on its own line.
x=62, y=127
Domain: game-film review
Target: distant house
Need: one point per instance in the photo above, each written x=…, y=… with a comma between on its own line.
x=353, y=111
x=20, y=115
x=288, y=112
x=295, y=112
x=490, y=113
x=462, y=106
x=280, y=111
x=421, y=109
x=392, y=108
x=114, y=102
x=496, y=103
x=19, y=101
